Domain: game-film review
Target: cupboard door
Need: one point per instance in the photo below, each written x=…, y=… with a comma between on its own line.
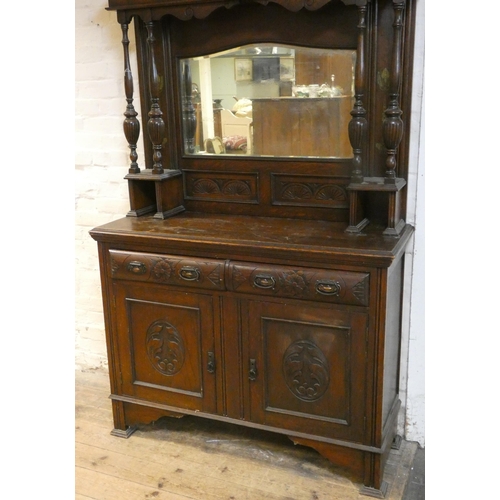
x=166, y=346
x=307, y=368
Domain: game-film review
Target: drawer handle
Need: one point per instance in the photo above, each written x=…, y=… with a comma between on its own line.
x=264, y=281
x=328, y=287
x=136, y=267
x=190, y=273
x=252, y=373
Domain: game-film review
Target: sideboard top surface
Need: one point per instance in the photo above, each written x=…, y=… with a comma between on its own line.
x=230, y=236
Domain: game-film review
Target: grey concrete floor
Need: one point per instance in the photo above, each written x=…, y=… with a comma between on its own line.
x=415, y=488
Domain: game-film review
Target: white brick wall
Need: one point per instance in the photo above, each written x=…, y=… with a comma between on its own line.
x=101, y=161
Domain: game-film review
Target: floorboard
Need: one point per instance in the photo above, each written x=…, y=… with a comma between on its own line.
x=197, y=459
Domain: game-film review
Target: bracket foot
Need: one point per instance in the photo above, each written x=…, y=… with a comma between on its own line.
x=124, y=433
x=373, y=492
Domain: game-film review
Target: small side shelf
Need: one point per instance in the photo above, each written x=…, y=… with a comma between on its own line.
x=378, y=184
x=160, y=194
x=357, y=222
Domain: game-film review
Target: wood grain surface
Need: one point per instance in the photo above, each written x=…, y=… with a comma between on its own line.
x=193, y=458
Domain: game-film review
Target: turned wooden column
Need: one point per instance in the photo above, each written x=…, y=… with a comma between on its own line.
x=188, y=110
x=156, y=125
x=393, y=124
x=358, y=126
x=131, y=125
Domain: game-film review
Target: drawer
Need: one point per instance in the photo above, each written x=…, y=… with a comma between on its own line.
x=168, y=269
x=342, y=287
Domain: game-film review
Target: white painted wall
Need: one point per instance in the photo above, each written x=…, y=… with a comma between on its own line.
x=412, y=382
x=101, y=162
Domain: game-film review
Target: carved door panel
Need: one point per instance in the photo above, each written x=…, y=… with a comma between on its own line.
x=166, y=346
x=307, y=368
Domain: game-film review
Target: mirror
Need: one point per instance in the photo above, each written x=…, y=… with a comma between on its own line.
x=268, y=100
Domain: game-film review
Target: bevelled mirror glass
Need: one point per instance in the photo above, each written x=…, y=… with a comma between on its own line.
x=268, y=100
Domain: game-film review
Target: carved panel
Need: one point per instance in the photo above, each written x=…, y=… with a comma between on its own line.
x=320, y=191
x=300, y=283
x=115, y=265
x=165, y=348
x=307, y=361
x=221, y=186
x=184, y=12
x=306, y=370
x=360, y=291
x=167, y=269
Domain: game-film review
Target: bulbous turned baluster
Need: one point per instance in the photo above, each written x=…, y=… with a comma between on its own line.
x=358, y=126
x=156, y=125
x=392, y=129
x=189, y=113
x=131, y=125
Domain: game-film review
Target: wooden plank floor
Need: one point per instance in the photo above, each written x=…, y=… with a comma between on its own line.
x=193, y=458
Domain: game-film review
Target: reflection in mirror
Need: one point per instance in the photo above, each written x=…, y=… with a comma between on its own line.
x=268, y=100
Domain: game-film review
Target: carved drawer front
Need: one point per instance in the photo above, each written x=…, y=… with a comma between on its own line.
x=342, y=287
x=168, y=269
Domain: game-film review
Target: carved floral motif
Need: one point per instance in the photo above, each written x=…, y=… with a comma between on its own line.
x=311, y=192
x=296, y=191
x=205, y=186
x=331, y=193
x=202, y=11
x=221, y=186
x=294, y=283
x=165, y=347
x=236, y=188
x=306, y=370
x=162, y=270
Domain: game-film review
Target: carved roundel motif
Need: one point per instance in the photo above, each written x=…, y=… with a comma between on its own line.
x=162, y=270
x=165, y=347
x=306, y=370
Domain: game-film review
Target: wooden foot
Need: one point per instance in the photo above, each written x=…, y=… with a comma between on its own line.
x=124, y=433
x=347, y=458
x=395, y=231
x=373, y=492
x=364, y=465
x=356, y=229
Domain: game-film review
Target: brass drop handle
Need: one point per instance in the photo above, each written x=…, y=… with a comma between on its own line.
x=252, y=373
x=264, y=281
x=328, y=287
x=136, y=267
x=190, y=273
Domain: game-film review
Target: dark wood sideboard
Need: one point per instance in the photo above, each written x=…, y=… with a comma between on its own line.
x=263, y=291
